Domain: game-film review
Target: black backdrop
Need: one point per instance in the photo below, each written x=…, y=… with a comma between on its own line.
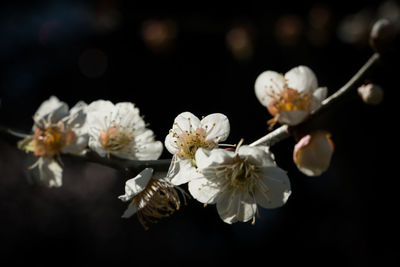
x=347, y=216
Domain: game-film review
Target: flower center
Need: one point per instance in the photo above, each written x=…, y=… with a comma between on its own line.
x=115, y=139
x=50, y=140
x=189, y=141
x=240, y=174
x=289, y=99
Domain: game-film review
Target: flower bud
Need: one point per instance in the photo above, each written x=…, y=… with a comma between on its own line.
x=312, y=154
x=381, y=36
x=371, y=94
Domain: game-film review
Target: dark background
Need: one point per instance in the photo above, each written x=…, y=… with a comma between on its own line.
x=106, y=50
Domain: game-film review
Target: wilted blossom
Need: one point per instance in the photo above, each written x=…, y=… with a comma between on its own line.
x=187, y=135
x=290, y=98
x=313, y=153
x=238, y=181
x=56, y=130
x=150, y=197
x=120, y=131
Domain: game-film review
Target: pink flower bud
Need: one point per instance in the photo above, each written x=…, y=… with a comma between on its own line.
x=312, y=154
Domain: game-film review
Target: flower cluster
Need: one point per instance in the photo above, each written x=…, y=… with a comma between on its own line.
x=238, y=181
x=101, y=126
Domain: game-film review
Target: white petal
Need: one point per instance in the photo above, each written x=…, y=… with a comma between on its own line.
x=186, y=172
x=149, y=151
x=173, y=168
x=203, y=190
x=292, y=117
x=185, y=121
x=228, y=204
x=247, y=208
x=137, y=184
x=257, y=155
x=321, y=93
x=95, y=145
x=217, y=127
x=50, y=173
x=302, y=79
x=99, y=114
x=268, y=83
x=170, y=144
x=127, y=116
x=78, y=145
x=209, y=158
x=78, y=107
x=273, y=189
x=131, y=210
x=318, y=96
x=53, y=106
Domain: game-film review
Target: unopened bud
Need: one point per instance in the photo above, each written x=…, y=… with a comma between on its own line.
x=382, y=35
x=371, y=94
x=312, y=154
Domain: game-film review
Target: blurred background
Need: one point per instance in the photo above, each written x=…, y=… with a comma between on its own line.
x=201, y=58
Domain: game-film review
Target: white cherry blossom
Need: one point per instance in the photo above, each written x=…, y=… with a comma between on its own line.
x=290, y=98
x=119, y=130
x=188, y=134
x=56, y=130
x=239, y=181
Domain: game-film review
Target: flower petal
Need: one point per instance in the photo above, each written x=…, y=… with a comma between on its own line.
x=233, y=207
x=137, y=184
x=267, y=84
x=54, y=107
x=302, y=79
x=99, y=114
x=186, y=172
x=318, y=96
x=257, y=155
x=228, y=205
x=247, y=208
x=170, y=144
x=209, y=158
x=95, y=145
x=131, y=210
x=203, y=190
x=185, y=121
x=292, y=117
x=273, y=189
x=127, y=116
x=149, y=151
x=217, y=127
x=50, y=172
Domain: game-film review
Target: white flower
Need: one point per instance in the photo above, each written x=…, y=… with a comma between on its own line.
x=188, y=134
x=237, y=181
x=56, y=130
x=313, y=153
x=290, y=98
x=119, y=130
x=151, y=198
